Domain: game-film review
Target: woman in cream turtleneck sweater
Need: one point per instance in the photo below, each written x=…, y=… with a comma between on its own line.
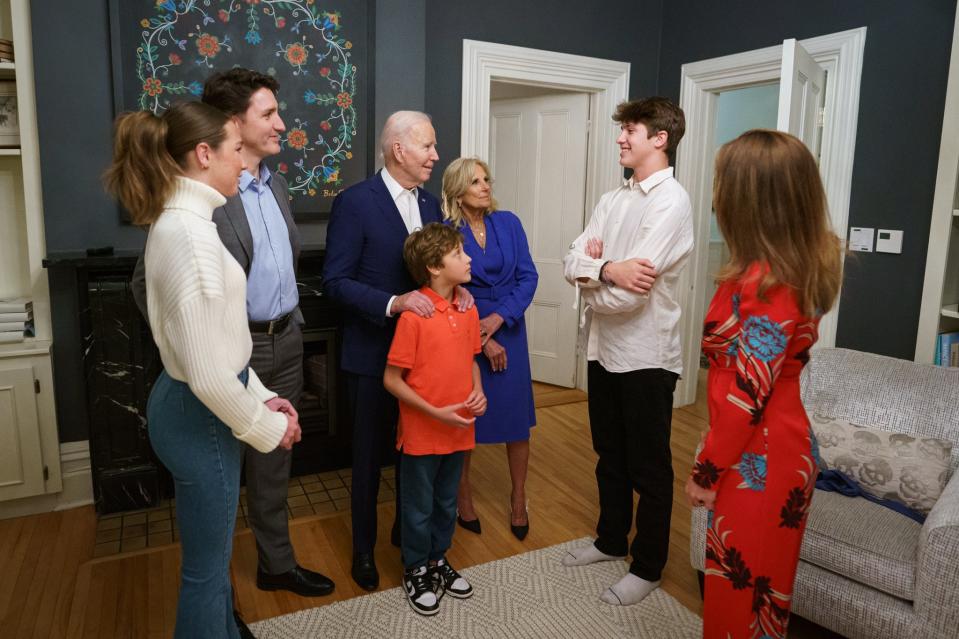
x=170, y=172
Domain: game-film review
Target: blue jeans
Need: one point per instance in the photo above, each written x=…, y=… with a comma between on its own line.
x=428, y=494
x=204, y=458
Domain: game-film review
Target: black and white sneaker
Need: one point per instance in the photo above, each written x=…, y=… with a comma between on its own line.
x=452, y=583
x=419, y=591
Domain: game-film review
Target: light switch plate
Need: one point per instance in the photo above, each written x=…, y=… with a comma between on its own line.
x=860, y=239
x=888, y=241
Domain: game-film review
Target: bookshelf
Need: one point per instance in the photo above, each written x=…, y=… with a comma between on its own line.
x=29, y=446
x=939, y=312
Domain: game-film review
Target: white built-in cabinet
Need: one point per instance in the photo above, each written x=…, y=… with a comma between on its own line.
x=29, y=449
x=939, y=312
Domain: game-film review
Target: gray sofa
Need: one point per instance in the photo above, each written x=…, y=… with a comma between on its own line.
x=865, y=571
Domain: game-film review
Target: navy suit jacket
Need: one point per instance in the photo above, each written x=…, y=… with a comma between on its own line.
x=364, y=267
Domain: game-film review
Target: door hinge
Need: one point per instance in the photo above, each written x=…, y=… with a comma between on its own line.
x=36, y=386
x=46, y=473
x=821, y=117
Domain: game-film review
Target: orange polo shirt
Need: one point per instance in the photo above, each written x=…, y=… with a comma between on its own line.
x=437, y=353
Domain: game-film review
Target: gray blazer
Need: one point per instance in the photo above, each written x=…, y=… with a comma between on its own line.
x=234, y=231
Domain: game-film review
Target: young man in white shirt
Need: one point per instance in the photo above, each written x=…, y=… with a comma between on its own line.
x=627, y=265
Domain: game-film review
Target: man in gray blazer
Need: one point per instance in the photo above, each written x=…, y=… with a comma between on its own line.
x=257, y=227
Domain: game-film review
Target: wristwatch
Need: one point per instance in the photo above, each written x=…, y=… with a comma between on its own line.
x=602, y=274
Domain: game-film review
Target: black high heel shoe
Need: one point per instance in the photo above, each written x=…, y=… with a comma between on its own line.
x=472, y=525
x=519, y=532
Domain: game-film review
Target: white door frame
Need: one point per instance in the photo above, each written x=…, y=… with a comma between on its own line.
x=841, y=55
x=606, y=81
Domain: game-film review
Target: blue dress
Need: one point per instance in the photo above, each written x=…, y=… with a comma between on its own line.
x=504, y=281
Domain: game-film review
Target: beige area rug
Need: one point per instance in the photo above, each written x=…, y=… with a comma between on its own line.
x=525, y=596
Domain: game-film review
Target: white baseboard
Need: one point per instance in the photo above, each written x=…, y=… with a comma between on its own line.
x=77, y=486
x=76, y=474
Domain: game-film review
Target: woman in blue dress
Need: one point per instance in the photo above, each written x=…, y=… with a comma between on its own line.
x=503, y=284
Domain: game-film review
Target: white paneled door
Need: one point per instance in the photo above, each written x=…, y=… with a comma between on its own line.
x=802, y=85
x=538, y=159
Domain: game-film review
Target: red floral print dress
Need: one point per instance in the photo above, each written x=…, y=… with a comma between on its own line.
x=757, y=455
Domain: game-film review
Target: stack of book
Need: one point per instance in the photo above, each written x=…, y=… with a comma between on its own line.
x=16, y=320
x=947, y=349
x=6, y=50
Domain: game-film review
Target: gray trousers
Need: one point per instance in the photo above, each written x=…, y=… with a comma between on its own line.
x=278, y=362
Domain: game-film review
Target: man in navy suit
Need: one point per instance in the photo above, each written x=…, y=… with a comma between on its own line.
x=365, y=274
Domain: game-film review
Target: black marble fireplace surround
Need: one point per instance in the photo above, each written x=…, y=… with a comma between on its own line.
x=115, y=363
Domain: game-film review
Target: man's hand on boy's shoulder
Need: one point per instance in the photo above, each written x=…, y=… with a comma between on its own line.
x=464, y=299
x=413, y=301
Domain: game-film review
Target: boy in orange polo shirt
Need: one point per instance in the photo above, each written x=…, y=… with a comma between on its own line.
x=431, y=371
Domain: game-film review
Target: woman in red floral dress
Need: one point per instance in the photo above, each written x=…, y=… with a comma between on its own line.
x=756, y=469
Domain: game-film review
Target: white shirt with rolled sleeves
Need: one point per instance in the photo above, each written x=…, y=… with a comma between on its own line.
x=649, y=219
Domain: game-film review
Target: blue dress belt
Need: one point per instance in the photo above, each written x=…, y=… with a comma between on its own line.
x=490, y=292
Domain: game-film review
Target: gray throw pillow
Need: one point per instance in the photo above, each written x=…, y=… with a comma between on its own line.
x=905, y=468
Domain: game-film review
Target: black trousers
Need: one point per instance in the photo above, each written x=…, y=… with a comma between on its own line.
x=375, y=414
x=630, y=415
x=278, y=362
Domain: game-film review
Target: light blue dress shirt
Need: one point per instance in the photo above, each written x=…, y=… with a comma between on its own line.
x=271, y=284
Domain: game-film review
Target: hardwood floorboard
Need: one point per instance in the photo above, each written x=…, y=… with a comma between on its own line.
x=51, y=585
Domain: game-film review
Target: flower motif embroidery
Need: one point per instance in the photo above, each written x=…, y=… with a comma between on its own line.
x=208, y=45
x=752, y=468
x=296, y=138
x=296, y=54
x=174, y=28
x=763, y=339
x=153, y=87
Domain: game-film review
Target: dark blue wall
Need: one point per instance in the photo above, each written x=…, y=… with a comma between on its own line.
x=903, y=90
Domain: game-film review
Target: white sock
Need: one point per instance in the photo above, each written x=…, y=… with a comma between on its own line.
x=585, y=555
x=629, y=590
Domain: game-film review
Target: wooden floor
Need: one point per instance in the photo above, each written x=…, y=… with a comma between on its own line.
x=51, y=586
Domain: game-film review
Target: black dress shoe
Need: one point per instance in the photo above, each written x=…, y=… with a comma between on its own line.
x=519, y=532
x=244, y=631
x=299, y=580
x=364, y=571
x=472, y=525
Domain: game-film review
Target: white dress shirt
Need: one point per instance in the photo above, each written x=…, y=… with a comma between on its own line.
x=650, y=219
x=405, y=200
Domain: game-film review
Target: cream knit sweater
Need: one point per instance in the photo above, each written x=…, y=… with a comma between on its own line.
x=196, y=301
